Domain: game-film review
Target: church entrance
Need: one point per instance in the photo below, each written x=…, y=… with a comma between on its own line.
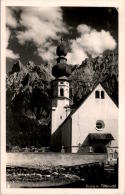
x=99, y=142
x=99, y=147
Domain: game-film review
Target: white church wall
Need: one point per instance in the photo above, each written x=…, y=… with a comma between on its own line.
x=59, y=113
x=60, y=100
x=84, y=119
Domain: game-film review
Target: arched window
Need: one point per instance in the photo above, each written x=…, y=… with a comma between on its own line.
x=97, y=94
x=61, y=92
x=102, y=95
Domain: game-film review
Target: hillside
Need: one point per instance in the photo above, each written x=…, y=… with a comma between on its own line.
x=29, y=95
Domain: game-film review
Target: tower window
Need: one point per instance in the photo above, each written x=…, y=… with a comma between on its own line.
x=102, y=95
x=61, y=82
x=61, y=92
x=97, y=94
x=100, y=125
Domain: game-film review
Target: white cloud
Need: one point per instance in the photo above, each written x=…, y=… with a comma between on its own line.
x=95, y=43
x=83, y=28
x=11, y=23
x=47, y=52
x=10, y=19
x=90, y=41
x=7, y=36
x=77, y=54
x=9, y=53
x=42, y=25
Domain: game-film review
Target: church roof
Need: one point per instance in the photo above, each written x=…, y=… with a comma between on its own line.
x=100, y=136
x=62, y=78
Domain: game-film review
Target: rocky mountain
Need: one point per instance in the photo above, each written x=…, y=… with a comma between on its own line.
x=28, y=105
x=92, y=71
x=28, y=95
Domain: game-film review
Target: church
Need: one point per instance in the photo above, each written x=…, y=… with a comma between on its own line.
x=90, y=128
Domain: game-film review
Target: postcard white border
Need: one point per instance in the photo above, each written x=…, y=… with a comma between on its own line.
x=120, y=4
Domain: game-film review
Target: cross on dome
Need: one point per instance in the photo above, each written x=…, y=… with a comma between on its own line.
x=61, y=49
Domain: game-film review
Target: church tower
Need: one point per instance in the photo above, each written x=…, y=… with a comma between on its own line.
x=60, y=89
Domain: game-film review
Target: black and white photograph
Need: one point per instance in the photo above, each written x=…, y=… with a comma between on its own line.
x=62, y=97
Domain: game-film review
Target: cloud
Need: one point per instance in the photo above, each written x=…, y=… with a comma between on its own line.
x=77, y=54
x=90, y=42
x=7, y=36
x=42, y=27
x=47, y=52
x=10, y=18
x=9, y=53
x=83, y=28
x=11, y=23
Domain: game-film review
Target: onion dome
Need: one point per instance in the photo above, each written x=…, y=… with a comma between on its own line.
x=61, y=69
x=61, y=49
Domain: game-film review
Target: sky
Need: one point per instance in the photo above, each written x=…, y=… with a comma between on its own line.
x=33, y=33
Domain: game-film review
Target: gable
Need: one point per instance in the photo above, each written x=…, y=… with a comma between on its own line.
x=90, y=104
x=92, y=101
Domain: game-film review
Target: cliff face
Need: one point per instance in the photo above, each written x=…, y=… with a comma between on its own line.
x=29, y=96
x=28, y=105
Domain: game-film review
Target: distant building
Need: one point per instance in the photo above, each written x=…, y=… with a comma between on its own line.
x=92, y=127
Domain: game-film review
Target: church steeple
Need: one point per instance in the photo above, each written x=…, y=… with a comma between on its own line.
x=60, y=88
x=61, y=68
